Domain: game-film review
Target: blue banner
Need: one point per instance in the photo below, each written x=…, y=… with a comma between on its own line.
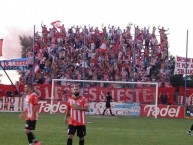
x=15, y=64
x=130, y=109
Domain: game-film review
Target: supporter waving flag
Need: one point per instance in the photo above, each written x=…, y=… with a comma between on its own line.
x=56, y=23
x=103, y=47
x=1, y=46
x=36, y=68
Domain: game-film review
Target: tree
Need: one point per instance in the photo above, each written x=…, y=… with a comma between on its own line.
x=26, y=43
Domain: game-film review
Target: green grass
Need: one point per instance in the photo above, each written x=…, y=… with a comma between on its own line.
x=101, y=130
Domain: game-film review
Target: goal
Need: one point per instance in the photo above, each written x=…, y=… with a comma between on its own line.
x=128, y=97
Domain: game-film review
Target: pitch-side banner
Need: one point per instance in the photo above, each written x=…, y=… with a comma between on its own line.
x=11, y=104
x=1, y=46
x=189, y=96
x=16, y=104
x=168, y=111
x=118, y=108
x=180, y=65
x=14, y=64
x=97, y=94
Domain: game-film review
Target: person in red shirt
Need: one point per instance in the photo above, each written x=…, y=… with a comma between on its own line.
x=75, y=116
x=30, y=113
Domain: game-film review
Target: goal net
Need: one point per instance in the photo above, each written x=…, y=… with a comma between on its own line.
x=128, y=97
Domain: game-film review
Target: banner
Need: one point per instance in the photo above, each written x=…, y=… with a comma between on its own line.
x=16, y=104
x=5, y=88
x=180, y=65
x=58, y=107
x=98, y=94
x=168, y=111
x=169, y=91
x=11, y=104
x=125, y=109
x=189, y=96
x=15, y=64
x=1, y=47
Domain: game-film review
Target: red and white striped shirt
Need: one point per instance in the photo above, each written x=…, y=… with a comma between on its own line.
x=77, y=117
x=31, y=101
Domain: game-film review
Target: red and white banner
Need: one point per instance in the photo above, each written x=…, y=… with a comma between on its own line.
x=169, y=91
x=58, y=107
x=97, y=94
x=1, y=46
x=11, y=104
x=180, y=65
x=5, y=88
x=16, y=104
x=189, y=96
x=170, y=111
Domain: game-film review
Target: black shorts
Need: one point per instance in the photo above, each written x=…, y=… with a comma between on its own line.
x=81, y=130
x=108, y=105
x=30, y=124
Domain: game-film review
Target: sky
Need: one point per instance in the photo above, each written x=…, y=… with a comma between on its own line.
x=19, y=18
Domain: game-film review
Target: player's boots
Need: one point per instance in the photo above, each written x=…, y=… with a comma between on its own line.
x=37, y=142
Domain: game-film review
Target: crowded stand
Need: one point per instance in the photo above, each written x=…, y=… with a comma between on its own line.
x=108, y=53
x=111, y=54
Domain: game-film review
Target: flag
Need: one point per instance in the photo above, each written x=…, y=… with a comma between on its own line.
x=36, y=68
x=56, y=23
x=1, y=46
x=27, y=73
x=103, y=47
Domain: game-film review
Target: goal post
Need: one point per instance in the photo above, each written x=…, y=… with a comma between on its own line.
x=95, y=91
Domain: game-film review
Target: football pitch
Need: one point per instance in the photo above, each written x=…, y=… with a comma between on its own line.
x=101, y=130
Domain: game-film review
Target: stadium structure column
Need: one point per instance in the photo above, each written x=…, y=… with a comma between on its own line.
x=33, y=67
